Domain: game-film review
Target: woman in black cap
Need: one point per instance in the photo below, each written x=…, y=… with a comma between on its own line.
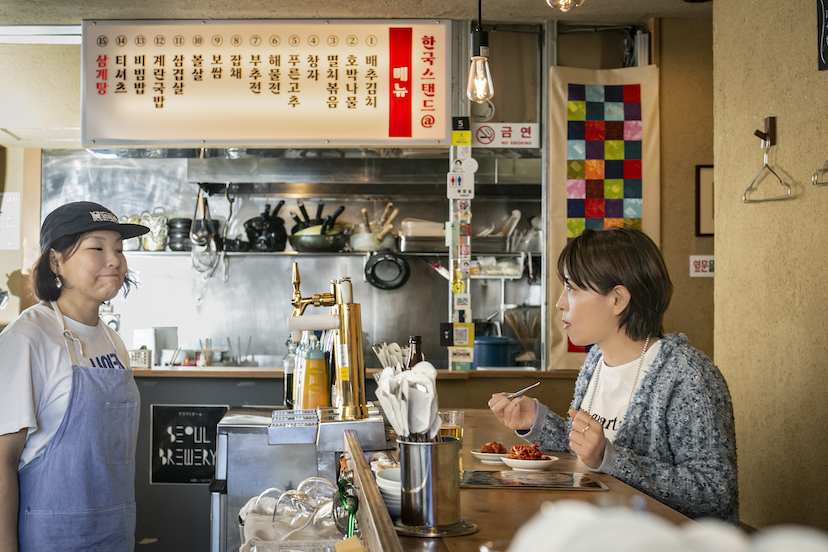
x=68, y=402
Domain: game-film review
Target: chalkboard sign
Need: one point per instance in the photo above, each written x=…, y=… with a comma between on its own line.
x=184, y=443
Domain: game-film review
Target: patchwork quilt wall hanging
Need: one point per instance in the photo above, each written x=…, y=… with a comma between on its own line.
x=604, y=168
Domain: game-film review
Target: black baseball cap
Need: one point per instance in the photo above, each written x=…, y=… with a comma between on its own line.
x=83, y=216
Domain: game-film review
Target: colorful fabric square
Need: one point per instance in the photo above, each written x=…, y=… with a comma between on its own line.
x=577, y=111
x=594, y=149
x=576, y=130
x=594, y=93
x=577, y=92
x=613, y=208
x=604, y=151
x=594, y=189
x=632, y=208
x=575, y=208
x=594, y=130
x=575, y=169
x=576, y=149
x=632, y=130
x=595, y=169
x=595, y=111
x=574, y=227
x=614, y=149
x=613, y=189
x=576, y=189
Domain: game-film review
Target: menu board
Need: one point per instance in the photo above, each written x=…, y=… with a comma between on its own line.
x=265, y=83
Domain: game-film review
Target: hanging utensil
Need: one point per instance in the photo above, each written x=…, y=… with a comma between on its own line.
x=199, y=230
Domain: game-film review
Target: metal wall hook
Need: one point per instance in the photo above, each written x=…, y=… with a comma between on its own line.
x=815, y=179
x=766, y=167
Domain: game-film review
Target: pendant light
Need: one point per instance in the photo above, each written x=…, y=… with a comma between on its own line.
x=480, y=87
x=564, y=5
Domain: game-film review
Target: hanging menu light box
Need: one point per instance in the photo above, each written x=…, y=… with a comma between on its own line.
x=265, y=83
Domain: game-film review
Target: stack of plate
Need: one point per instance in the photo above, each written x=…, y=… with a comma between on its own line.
x=388, y=481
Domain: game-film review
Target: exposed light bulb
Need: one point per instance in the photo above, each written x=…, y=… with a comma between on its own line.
x=564, y=5
x=480, y=86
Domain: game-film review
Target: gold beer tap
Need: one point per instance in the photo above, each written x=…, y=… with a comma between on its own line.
x=301, y=303
x=346, y=319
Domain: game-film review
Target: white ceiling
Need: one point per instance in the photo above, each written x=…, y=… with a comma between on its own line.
x=71, y=12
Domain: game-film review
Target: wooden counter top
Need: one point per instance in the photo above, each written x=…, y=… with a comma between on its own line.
x=501, y=512
x=270, y=372
x=246, y=372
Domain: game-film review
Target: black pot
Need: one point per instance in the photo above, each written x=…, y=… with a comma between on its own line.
x=236, y=245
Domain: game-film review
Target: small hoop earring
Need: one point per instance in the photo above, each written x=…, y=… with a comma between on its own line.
x=58, y=281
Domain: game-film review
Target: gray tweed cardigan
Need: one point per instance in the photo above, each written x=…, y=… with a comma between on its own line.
x=677, y=443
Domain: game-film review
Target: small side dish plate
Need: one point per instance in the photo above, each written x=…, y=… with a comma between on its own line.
x=530, y=465
x=489, y=457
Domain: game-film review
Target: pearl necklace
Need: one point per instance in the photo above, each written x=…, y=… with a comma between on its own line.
x=635, y=382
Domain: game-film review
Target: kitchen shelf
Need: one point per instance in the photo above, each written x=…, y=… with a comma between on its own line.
x=320, y=254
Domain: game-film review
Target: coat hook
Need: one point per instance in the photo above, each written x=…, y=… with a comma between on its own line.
x=769, y=136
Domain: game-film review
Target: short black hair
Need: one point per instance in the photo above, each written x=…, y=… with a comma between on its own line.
x=42, y=279
x=599, y=260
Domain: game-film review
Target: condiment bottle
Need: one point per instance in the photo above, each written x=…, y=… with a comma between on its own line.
x=415, y=351
x=315, y=392
x=289, y=367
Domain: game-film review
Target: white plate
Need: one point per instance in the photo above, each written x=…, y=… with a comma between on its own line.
x=530, y=465
x=488, y=457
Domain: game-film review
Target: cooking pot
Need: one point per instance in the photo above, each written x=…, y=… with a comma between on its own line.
x=267, y=231
x=373, y=241
x=494, y=351
x=319, y=243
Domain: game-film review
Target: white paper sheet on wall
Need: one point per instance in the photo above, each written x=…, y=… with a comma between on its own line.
x=10, y=221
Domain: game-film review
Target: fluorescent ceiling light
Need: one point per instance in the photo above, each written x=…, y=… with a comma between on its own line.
x=40, y=34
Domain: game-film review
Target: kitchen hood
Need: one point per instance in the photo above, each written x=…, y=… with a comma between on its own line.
x=367, y=173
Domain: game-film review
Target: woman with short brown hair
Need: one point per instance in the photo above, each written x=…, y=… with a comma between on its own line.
x=648, y=409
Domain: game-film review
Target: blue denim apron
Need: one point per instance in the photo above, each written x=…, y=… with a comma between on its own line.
x=80, y=493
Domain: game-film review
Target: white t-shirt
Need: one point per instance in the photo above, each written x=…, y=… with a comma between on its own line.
x=614, y=387
x=36, y=372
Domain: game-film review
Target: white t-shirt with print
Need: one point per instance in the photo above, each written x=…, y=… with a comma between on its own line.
x=614, y=387
x=36, y=372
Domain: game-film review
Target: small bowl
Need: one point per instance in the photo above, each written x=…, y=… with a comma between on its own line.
x=387, y=488
x=530, y=465
x=391, y=475
x=489, y=457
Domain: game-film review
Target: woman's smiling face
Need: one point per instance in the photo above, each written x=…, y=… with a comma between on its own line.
x=96, y=270
x=588, y=317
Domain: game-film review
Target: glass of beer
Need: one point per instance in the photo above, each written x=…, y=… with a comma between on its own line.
x=451, y=424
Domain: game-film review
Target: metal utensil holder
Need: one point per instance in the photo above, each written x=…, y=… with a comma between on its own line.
x=430, y=484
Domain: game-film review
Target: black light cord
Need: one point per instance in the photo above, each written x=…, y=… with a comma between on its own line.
x=479, y=15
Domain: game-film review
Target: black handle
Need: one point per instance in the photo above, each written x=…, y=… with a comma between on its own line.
x=336, y=214
x=319, y=208
x=277, y=208
x=304, y=211
x=325, y=225
x=299, y=222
